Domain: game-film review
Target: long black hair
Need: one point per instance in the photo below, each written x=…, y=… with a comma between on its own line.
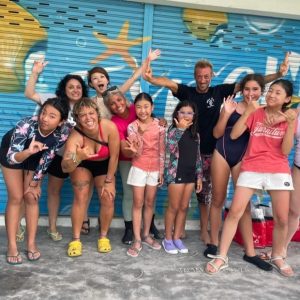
x=288, y=87
x=194, y=127
x=144, y=96
x=60, y=104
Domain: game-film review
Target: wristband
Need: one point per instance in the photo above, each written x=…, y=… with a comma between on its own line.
x=74, y=158
x=12, y=158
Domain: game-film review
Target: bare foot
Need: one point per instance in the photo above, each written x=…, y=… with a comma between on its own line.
x=204, y=236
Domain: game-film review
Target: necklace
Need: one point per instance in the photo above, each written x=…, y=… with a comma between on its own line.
x=45, y=135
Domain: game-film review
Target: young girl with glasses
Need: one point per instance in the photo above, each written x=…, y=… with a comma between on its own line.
x=182, y=170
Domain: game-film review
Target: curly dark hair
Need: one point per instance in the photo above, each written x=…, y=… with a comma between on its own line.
x=61, y=87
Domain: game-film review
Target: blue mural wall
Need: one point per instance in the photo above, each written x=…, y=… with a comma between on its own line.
x=74, y=36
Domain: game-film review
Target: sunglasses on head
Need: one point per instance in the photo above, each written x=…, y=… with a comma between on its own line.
x=110, y=90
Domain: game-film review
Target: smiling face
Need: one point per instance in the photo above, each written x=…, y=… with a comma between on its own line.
x=252, y=91
x=73, y=90
x=99, y=82
x=88, y=118
x=203, y=78
x=49, y=119
x=144, y=109
x=118, y=105
x=186, y=113
x=276, y=97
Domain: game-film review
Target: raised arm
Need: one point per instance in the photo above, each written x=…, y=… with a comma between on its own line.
x=153, y=55
x=240, y=126
x=30, y=92
x=283, y=69
x=159, y=81
x=229, y=106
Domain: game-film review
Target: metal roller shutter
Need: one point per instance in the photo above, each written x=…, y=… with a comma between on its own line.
x=65, y=34
x=236, y=45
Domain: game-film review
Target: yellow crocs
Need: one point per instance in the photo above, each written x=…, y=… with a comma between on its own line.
x=104, y=245
x=75, y=248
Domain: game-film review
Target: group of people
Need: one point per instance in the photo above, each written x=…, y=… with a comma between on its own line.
x=242, y=139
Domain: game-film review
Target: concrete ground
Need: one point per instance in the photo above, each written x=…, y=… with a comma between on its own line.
x=153, y=275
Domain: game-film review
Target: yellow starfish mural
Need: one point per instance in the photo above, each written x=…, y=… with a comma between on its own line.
x=19, y=32
x=119, y=46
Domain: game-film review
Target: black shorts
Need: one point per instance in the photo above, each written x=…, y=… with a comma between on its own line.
x=97, y=168
x=31, y=163
x=55, y=168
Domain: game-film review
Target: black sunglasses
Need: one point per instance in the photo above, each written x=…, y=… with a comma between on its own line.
x=111, y=89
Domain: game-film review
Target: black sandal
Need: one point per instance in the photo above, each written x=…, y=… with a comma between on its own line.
x=258, y=262
x=211, y=249
x=85, y=228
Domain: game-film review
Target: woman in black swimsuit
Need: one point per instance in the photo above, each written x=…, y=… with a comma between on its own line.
x=226, y=161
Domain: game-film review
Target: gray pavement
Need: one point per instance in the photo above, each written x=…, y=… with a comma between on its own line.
x=153, y=275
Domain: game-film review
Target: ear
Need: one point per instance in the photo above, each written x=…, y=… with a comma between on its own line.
x=90, y=85
x=288, y=100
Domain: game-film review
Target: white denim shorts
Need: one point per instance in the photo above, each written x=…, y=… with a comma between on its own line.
x=266, y=181
x=139, y=177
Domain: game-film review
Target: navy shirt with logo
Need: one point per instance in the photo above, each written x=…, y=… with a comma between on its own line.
x=208, y=105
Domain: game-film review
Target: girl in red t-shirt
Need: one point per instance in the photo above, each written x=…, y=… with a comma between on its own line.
x=264, y=166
